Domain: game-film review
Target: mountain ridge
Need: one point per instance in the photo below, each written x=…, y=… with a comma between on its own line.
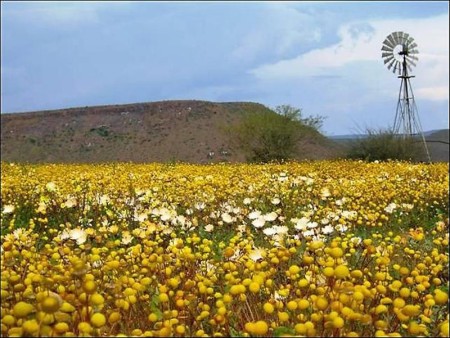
x=173, y=130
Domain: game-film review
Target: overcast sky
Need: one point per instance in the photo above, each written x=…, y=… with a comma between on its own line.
x=322, y=57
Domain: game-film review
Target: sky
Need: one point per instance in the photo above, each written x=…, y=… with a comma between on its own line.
x=322, y=57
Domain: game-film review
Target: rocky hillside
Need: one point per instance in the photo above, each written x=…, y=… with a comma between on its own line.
x=188, y=131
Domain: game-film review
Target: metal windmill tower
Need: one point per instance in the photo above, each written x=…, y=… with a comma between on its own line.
x=400, y=54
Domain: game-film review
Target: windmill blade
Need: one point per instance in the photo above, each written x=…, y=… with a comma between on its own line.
x=409, y=67
x=413, y=57
x=400, y=36
x=388, y=59
x=389, y=43
x=395, y=67
x=387, y=49
x=391, y=64
x=409, y=41
x=413, y=51
x=412, y=45
x=396, y=37
x=410, y=62
x=387, y=54
x=392, y=40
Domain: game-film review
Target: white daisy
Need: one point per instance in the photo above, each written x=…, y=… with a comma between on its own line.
x=209, y=227
x=258, y=222
x=327, y=229
x=270, y=231
x=78, y=235
x=275, y=201
x=247, y=201
x=272, y=216
x=301, y=224
x=254, y=214
x=8, y=209
x=256, y=254
x=341, y=228
x=312, y=225
x=227, y=218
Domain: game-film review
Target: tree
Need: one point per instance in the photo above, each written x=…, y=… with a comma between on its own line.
x=295, y=114
x=269, y=135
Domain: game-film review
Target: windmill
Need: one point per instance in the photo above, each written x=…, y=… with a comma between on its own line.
x=399, y=52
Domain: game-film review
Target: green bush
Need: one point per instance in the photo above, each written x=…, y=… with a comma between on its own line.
x=272, y=136
x=383, y=145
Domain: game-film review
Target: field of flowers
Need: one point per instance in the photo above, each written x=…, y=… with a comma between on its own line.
x=328, y=248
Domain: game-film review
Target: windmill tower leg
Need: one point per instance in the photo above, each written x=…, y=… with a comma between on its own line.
x=407, y=120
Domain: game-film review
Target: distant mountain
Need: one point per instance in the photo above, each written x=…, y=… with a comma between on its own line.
x=183, y=130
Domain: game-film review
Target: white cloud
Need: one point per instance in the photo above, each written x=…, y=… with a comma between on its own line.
x=433, y=93
x=280, y=28
x=361, y=41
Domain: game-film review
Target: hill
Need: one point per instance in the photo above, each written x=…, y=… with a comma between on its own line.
x=183, y=130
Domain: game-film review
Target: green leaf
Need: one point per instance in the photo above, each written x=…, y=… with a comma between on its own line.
x=282, y=330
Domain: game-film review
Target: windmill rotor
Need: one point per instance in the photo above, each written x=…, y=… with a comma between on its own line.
x=399, y=46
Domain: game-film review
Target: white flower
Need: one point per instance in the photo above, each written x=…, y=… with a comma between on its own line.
x=390, y=208
x=341, y=227
x=8, y=209
x=282, y=177
x=200, y=205
x=126, y=238
x=311, y=225
x=254, y=214
x=356, y=240
x=50, y=186
x=308, y=233
x=327, y=229
x=140, y=217
x=209, y=227
x=281, y=229
x=259, y=222
x=247, y=201
x=277, y=296
x=301, y=224
x=179, y=220
x=227, y=218
x=78, y=235
x=275, y=201
x=272, y=216
x=18, y=233
x=165, y=214
x=324, y=221
x=407, y=206
x=256, y=254
x=270, y=231
x=325, y=192
x=241, y=228
x=104, y=199
x=349, y=214
x=64, y=235
x=71, y=202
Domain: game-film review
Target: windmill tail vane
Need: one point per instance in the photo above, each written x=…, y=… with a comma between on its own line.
x=399, y=54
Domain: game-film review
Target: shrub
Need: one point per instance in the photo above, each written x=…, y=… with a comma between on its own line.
x=383, y=145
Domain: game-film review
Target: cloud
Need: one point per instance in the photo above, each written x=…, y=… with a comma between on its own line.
x=433, y=93
x=361, y=42
x=279, y=29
